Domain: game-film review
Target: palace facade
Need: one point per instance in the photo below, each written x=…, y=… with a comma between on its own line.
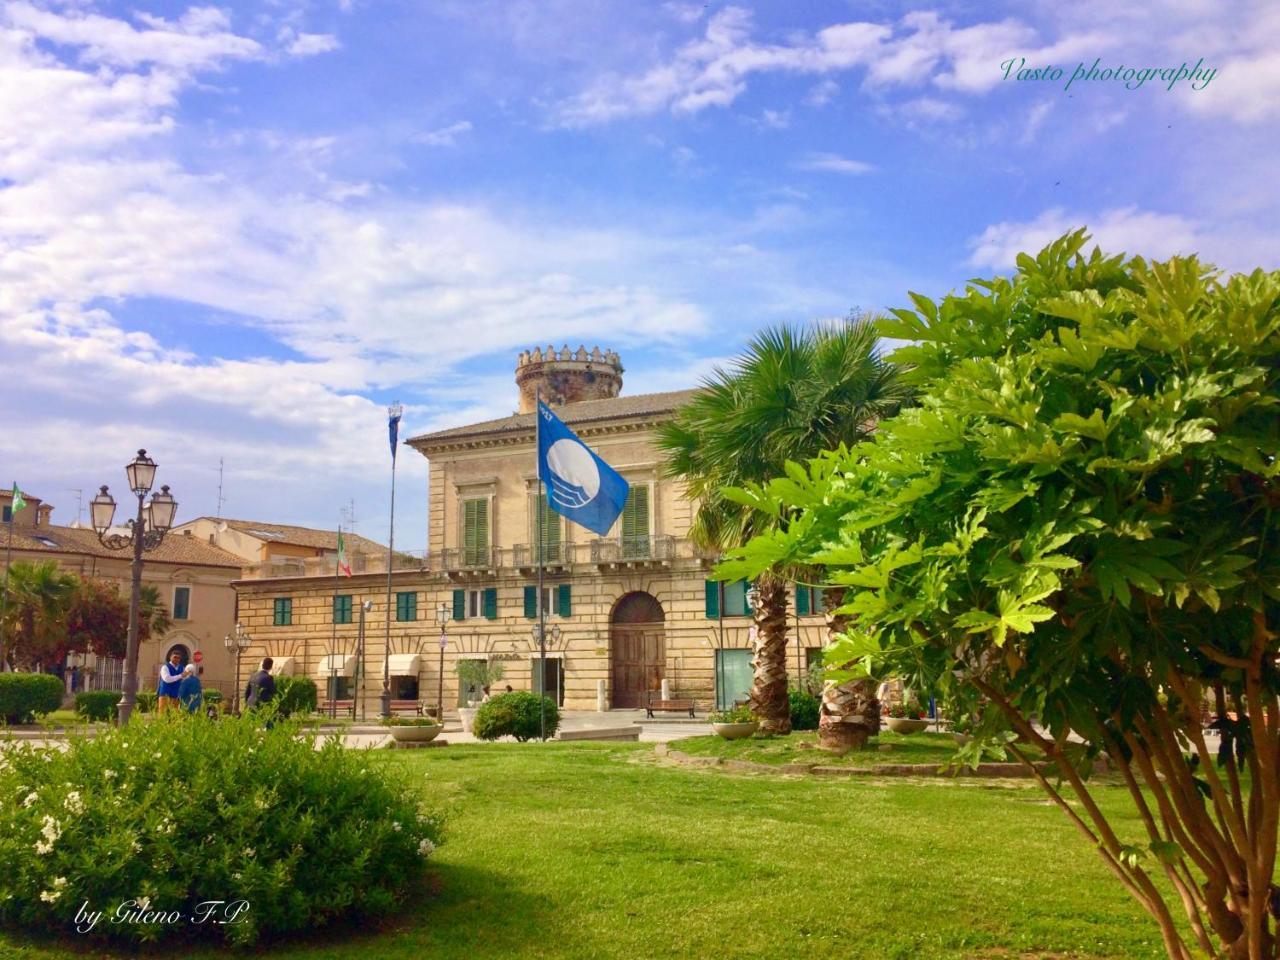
x=625, y=612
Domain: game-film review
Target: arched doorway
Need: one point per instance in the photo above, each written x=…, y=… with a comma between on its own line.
x=638, y=650
x=182, y=650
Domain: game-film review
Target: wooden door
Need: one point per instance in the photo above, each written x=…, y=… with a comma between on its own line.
x=637, y=662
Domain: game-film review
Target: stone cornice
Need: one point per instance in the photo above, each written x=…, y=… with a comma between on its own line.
x=525, y=437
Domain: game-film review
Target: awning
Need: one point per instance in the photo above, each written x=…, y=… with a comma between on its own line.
x=283, y=667
x=403, y=665
x=336, y=664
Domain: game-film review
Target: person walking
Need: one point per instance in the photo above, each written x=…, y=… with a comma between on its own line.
x=190, y=690
x=170, y=678
x=262, y=686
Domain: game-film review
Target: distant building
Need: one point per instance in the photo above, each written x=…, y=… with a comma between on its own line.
x=193, y=578
x=634, y=608
x=281, y=550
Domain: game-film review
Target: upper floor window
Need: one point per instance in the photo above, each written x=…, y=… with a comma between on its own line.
x=182, y=603
x=469, y=604
x=283, y=612
x=540, y=511
x=731, y=598
x=634, y=522
x=475, y=532
x=8, y=514
x=809, y=600
x=406, y=606
x=342, y=608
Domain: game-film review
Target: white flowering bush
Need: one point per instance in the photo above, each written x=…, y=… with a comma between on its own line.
x=146, y=827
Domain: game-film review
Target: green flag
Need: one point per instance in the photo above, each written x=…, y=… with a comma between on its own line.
x=18, y=502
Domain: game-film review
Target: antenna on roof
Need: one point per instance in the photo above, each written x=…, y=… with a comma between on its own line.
x=221, y=500
x=79, y=502
x=349, y=515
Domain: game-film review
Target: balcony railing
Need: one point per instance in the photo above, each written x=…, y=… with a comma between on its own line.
x=327, y=566
x=636, y=549
x=524, y=556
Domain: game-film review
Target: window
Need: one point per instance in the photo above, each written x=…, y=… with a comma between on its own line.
x=475, y=603
x=283, y=612
x=338, y=688
x=733, y=677
x=404, y=688
x=8, y=513
x=809, y=600
x=475, y=533
x=557, y=600
x=553, y=680
x=552, y=548
x=182, y=603
x=342, y=608
x=406, y=606
x=734, y=595
x=635, y=522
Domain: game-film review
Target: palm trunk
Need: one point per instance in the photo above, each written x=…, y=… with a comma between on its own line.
x=769, y=699
x=850, y=711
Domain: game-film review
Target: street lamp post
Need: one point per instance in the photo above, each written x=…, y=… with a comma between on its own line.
x=364, y=608
x=540, y=638
x=237, y=643
x=146, y=532
x=442, y=617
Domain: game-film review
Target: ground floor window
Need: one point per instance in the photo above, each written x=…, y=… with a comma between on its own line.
x=404, y=688
x=338, y=688
x=733, y=677
x=553, y=683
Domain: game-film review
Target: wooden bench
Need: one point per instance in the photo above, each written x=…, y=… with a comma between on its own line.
x=413, y=707
x=667, y=706
x=332, y=707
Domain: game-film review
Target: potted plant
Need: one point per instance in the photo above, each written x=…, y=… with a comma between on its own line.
x=735, y=723
x=474, y=676
x=412, y=729
x=907, y=717
x=962, y=729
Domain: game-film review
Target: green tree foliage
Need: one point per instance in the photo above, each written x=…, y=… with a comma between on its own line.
x=25, y=696
x=98, y=619
x=294, y=695
x=1078, y=524
x=35, y=617
x=794, y=393
x=516, y=714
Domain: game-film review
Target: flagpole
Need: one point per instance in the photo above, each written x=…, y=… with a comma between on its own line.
x=542, y=610
x=394, y=413
x=333, y=636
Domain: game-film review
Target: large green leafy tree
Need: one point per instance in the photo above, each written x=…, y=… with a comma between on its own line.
x=1075, y=536
x=795, y=392
x=35, y=618
x=98, y=620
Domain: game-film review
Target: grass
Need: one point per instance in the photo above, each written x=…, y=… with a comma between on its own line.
x=932, y=749
x=599, y=851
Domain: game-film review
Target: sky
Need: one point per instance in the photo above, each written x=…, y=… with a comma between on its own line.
x=233, y=234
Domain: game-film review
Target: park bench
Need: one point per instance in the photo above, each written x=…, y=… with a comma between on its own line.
x=412, y=707
x=667, y=706
x=333, y=707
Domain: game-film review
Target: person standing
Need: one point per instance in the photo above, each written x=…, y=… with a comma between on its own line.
x=262, y=686
x=190, y=691
x=170, y=678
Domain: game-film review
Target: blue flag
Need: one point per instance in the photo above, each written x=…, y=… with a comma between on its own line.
x=580, y=486
x=393, y=427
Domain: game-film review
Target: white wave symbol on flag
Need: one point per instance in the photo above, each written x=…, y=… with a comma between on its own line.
x=575, y=478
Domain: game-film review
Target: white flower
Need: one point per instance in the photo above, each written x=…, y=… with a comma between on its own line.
x=144, y=902
x=109, y=774
x=425, y=848
x=157, y=754
x=50, y=896
x=59, y=883
x=31, y=798
x=51, y=830
x=248, y=852
x=396, y=826
x=42, y=848
x=73, y=802
x=261, y=803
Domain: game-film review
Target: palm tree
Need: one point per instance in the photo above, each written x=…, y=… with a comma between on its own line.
x=153, y=615
x=40, y=596
x=796, y=392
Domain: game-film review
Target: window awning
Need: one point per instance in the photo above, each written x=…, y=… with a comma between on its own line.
x=283, y=667
x=403, y=665
x=336, y=664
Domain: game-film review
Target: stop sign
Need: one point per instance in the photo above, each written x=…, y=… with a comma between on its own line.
x=197, y=656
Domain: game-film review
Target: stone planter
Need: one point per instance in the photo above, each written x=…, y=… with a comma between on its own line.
x=906, y=724
x=467, y=715
x=419, y=733
x=736, y=731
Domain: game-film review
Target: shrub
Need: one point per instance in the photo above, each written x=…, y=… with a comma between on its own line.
x=24, y=696
x=146, y=701
x=98, y=704
x=306, y=836
x=907, y=711
x=740, y=714
x=515, y=715
x=295, y=695
x=804, y=710
x=213, y=696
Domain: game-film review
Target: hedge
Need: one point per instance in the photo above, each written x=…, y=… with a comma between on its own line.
x=23, y=696
x=98, y=704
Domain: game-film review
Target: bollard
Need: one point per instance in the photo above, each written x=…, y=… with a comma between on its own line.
x=600, y=701
x=666, y=689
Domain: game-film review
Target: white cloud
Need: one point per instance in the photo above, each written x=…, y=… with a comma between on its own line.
x=775, y=119
x=1036, y=117
x=833, y=163
x=822, y=93
x=445, y=136
x=1120, y=230
x=310, y=44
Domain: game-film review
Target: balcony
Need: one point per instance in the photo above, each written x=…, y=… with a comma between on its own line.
x=467, y=561
x=555, y=556
x=637, y=551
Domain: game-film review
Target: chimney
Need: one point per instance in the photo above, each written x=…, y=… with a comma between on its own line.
x=567, y=376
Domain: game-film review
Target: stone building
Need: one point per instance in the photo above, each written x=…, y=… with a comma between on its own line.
x=625, y=612
x=192, y=577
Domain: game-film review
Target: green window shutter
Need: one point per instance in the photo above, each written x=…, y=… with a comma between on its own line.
x=802, y=600
x=181, y=603
x=531, y=602
x=564, y=600
x=406, y=606
x=475, y=532
x=635, y=522
x=819, y=601
x=459, y=604
x=550, y=521
x=713, y=599
x=491, y=603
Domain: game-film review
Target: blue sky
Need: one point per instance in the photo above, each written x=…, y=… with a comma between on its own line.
x=237, y=232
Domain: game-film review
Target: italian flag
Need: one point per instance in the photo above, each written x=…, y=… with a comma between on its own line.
x=343, y=566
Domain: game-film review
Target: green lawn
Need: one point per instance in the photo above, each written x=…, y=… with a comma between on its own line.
x=600, y=851
x=919, y=748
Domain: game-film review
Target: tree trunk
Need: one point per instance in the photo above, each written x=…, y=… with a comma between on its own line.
x=850, y=712
x=769, y=699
